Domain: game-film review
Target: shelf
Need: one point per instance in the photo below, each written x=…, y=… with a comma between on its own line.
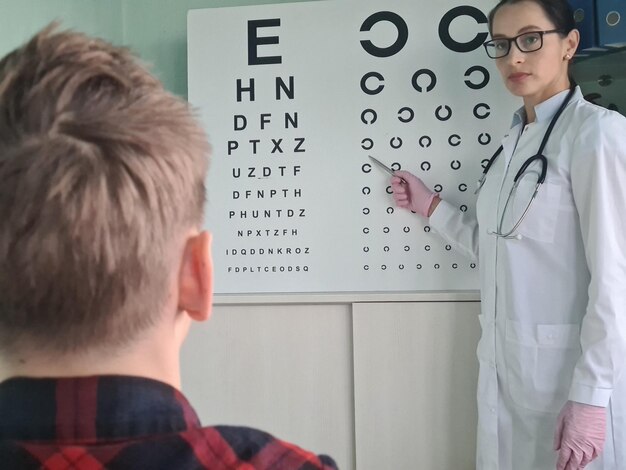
x=589, y=68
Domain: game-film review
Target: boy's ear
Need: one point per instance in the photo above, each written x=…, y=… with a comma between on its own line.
x=195, y=282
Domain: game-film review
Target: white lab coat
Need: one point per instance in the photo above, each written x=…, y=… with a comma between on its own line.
x=553, y=302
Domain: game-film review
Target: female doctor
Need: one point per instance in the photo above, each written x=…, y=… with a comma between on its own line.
x=552, y=380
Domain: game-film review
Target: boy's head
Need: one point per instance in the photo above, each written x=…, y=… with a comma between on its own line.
x=101, y=178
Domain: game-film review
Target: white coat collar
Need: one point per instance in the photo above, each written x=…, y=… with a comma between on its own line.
x=546, y=109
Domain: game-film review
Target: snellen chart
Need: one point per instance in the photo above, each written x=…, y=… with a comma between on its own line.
x=295, y=97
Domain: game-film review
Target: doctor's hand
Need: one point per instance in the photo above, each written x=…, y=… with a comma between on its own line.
x=412, y=194
x=579, y=435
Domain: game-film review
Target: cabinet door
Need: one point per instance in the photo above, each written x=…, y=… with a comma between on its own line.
x=415, y=373
x=286, y=369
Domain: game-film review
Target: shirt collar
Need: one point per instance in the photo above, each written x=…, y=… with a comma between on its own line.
x=91, y=408
x=545, y=110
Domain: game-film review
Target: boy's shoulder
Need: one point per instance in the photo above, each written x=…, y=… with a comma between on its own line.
x=212, y=447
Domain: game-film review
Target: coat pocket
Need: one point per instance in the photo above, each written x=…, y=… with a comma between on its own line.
x=540, y=361
x=540, y=222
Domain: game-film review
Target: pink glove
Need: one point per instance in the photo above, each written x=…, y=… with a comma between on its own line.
x=412, y=195
x=579, y=435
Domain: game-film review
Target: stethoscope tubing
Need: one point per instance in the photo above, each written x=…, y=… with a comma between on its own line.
x=540, y=180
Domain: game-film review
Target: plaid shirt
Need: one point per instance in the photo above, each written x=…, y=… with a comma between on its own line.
x=115, y=422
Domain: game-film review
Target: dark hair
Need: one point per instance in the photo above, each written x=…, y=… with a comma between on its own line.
x=558, y=11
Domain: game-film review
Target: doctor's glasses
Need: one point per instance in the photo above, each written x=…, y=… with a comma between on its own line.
x=526, y=42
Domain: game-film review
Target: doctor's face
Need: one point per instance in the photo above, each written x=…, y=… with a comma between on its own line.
x=537, y=75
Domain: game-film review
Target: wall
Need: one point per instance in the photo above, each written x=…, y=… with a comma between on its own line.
x=286, y=369
x=155, y=29
x=162, y=37
x=20, y=19
x=374, y=385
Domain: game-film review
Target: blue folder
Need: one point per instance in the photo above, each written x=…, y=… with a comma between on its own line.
x=611, y=20
x=584, y=14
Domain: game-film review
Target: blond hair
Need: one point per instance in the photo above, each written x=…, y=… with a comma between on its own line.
x=100, y=168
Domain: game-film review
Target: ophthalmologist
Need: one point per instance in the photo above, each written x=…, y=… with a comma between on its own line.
x=552, y=386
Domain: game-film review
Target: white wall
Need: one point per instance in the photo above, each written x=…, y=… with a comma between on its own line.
x=285, y=369
x=376, y=385
x=415, y=382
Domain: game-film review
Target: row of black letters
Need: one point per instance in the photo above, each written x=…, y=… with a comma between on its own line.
x=266, y=269
x=267, y=251
x=423, y=80
x=406, y=114
x=305, y=269
x=268, y=214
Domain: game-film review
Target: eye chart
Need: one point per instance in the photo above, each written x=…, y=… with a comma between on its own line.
x=295, y=97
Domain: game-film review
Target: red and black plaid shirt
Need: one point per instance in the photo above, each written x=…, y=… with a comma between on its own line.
x=115, y=422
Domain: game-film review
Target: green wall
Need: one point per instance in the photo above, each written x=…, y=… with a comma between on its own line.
x=20, y=19
x=154, y=29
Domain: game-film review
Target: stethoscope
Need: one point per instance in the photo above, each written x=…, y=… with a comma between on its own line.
x=542, y=176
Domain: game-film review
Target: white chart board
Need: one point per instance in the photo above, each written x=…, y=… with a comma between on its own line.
x=295, y=97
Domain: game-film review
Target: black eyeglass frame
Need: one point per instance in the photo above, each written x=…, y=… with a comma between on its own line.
x=514, y=39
